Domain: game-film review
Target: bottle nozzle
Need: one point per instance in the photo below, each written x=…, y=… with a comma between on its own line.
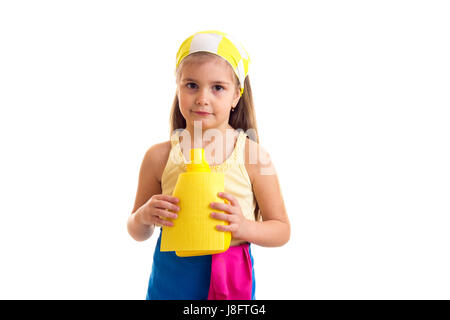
x=198, y=161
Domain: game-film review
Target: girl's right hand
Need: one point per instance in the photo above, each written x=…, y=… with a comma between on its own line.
x=157, y=208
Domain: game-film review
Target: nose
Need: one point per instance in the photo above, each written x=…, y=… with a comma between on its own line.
x=202, y=97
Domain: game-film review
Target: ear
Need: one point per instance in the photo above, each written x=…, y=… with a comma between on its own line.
x=236, y=97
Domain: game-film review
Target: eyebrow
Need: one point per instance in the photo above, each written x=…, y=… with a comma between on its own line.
x=218, y=81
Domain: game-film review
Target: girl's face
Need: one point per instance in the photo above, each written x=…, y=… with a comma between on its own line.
x=207, y=91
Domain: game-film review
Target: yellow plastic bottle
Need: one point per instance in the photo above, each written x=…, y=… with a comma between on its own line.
x=194, y=232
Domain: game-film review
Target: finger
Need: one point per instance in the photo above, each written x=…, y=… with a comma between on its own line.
x=229, y=197
x=222, y=216
x=162, y=204
x=164, y=214
x=161, y=222
x=220, y=227
x=221, y=206
x=166, y=197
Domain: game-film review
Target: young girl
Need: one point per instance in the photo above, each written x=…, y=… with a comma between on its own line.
x=212, y=109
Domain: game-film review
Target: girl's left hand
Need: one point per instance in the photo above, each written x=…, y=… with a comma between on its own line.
x=238, y=223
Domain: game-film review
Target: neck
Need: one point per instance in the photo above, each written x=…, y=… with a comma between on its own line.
x=201, y=137
x=218, y=144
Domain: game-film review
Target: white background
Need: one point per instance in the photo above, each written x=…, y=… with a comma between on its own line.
x=352, y=102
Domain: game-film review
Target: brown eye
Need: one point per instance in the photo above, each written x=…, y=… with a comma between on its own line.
x=219, y=88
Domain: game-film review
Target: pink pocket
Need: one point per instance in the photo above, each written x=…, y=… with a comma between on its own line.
x=231, y=274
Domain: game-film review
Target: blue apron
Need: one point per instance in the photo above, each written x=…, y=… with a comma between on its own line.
x=182, y=278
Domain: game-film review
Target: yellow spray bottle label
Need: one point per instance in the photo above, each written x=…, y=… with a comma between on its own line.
x=194, y=231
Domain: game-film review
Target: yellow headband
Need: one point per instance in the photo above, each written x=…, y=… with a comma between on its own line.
x=220, y=44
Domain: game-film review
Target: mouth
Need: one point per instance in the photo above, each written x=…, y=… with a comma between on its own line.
x=200, y=113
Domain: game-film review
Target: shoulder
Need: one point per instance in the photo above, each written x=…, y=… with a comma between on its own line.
x=156, y=157
x=257, y=160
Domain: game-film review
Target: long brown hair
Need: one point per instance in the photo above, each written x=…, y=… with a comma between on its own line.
x=243, y=117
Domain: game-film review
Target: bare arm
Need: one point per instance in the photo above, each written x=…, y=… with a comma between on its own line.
x=275, y=228
x=148, y=186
